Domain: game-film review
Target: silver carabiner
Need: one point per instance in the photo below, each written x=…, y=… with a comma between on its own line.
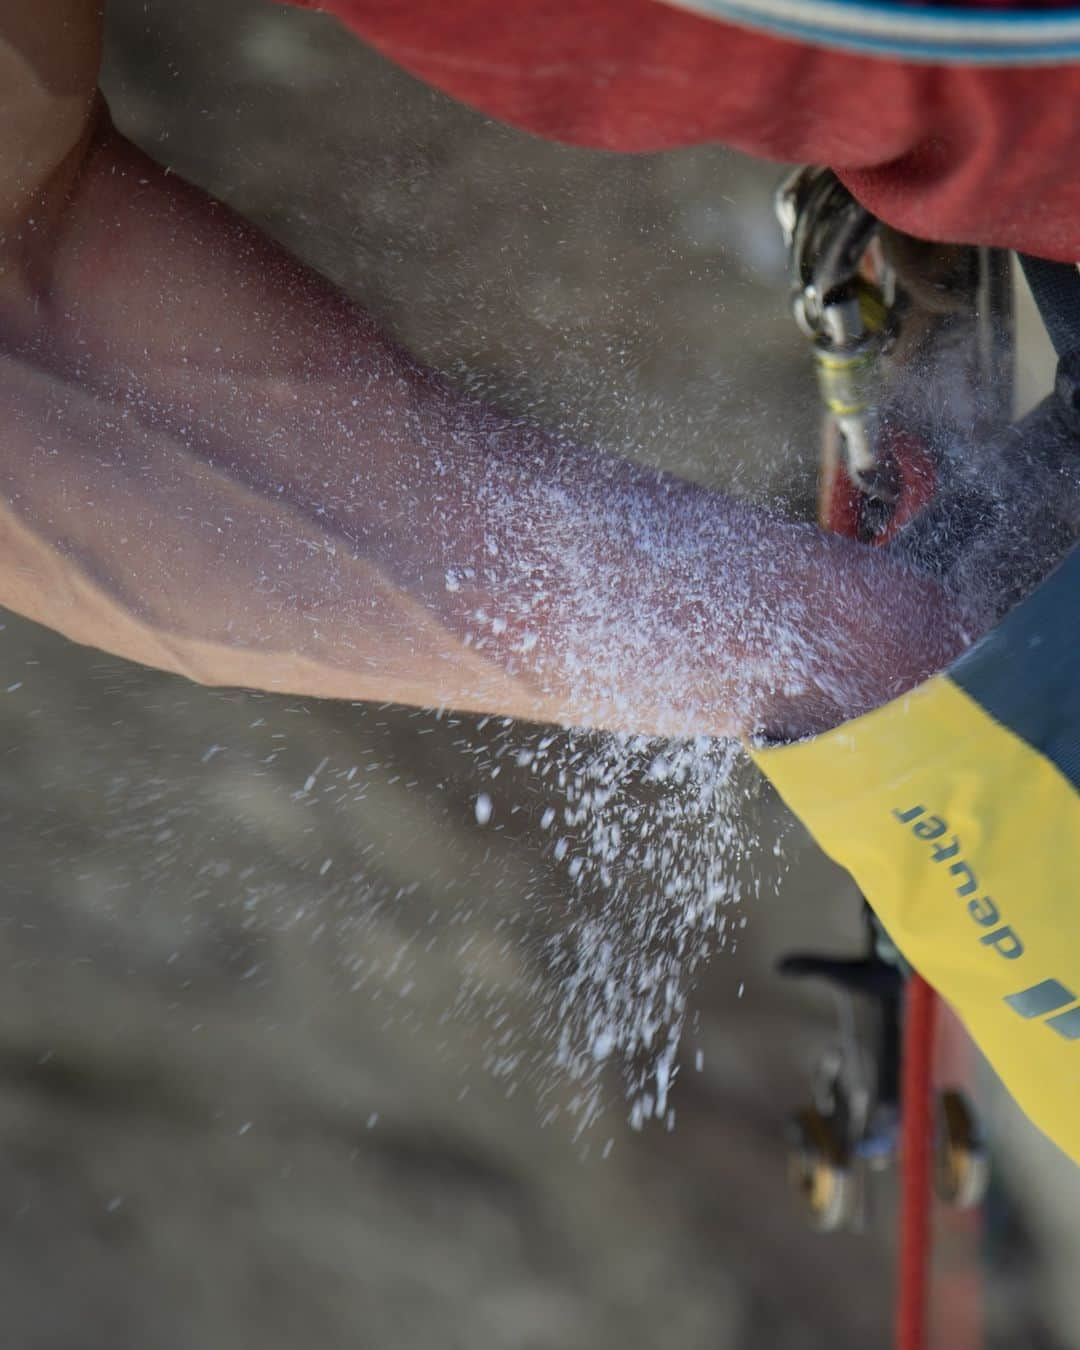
x=849, y=320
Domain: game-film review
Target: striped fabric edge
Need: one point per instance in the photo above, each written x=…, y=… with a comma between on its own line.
x=950, y=36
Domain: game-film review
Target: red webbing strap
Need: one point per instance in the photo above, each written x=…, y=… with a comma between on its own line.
x=916, y=1161
x=839, y=512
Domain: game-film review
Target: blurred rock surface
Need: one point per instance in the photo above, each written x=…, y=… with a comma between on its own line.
x=243, y=1101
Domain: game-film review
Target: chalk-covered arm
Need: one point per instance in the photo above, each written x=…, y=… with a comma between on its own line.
x=212, y=462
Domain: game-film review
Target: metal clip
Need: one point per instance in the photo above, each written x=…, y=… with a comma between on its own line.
x=847, y=315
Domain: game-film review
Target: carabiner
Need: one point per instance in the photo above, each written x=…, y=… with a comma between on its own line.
x=847, y=314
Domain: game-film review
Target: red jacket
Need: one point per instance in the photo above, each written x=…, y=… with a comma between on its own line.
x=970, y=153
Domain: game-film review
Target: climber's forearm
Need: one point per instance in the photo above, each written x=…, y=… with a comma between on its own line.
x=521, y=579
x=218, y=465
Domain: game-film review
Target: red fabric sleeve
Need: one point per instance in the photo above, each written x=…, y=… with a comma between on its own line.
x=968, y=154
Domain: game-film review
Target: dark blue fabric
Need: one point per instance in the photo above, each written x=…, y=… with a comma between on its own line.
x=1026, y=673
x=1056, y=289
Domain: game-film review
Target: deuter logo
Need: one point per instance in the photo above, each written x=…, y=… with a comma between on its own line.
x=982, y=909
x=1049, y=996
x=1049, y=1002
